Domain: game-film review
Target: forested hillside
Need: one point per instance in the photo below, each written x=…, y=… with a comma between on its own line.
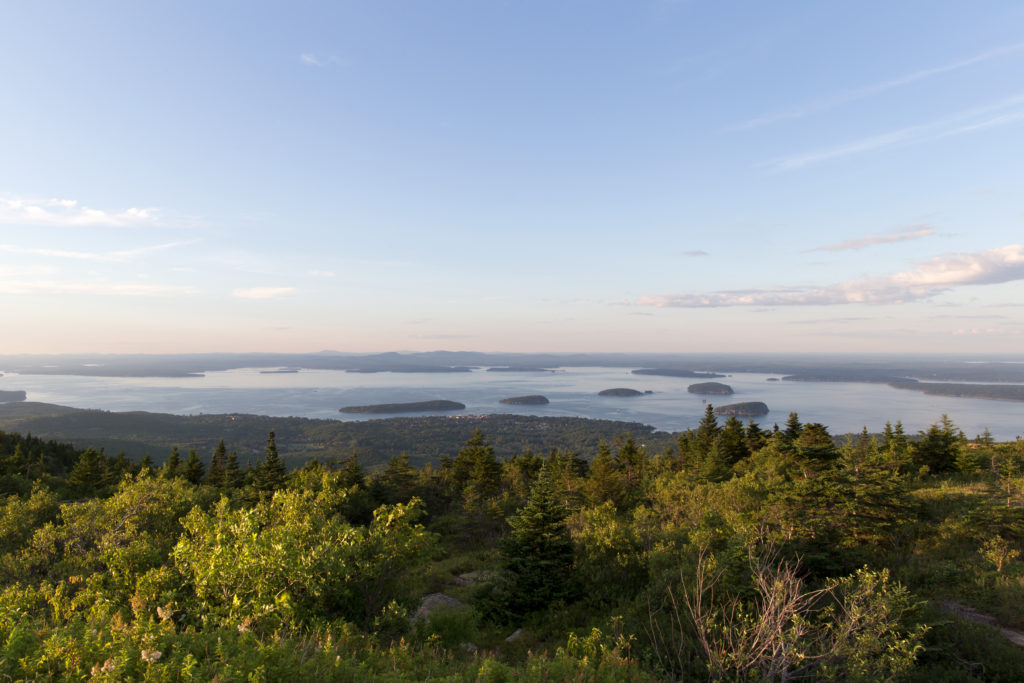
x=736, y=554
x=424, y=439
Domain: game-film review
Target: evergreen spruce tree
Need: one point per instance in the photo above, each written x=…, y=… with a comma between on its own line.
x=397, y=483
x=194, y=468
x=18, y=462
x=121, y=466
x=88, y=477
x=967, y=460
x=475, y=460
x=352, y=473
x=271, y=474
x=715, y=466
x=631, y=462
x=218, y=466
x=520, y=472
x=938, y=447
x=707, y=431
x=537, y=557
x=793, y=426
x=604, y=483
x=484, y=477
x=814, y=443
x=732, y=443
x=232, y=473
x=172, y=468
x=897, y=446
x=755, y=437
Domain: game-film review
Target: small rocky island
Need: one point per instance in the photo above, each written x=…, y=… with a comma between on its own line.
x=716, y=388
x=622, y=392
x=415, y=407
x=747, y=409
x=534, y=400
x=12, y=396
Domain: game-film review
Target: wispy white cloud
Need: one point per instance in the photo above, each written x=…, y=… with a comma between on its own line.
x=823, y=321
x=986, y=331
x=914, y=232
x=942, y=128
x=34, y=286
x=310, y=59
x=695, y=252
x=321, y=273
x=119, y=256
x=875, y=88
x=68, y=213
x=442, y=336
x=262, y=292
x=927, y=279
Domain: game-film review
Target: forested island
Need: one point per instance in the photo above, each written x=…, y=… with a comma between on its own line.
x=7, y=396
x=532, y=400
x=731, y=553
x=622, y=392
x=745, y=409
x=413, y=407
x=710, y=388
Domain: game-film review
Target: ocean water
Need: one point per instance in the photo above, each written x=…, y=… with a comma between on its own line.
x=842, y=406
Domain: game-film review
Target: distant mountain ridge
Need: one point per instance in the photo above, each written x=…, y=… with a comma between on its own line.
x=856, y=368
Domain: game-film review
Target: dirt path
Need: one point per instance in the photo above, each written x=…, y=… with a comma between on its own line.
x=970, y=614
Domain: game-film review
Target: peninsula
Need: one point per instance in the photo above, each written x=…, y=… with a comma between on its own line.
x=676, y=372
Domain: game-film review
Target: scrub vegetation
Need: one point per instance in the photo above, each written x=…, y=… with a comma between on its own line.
x=736, y=553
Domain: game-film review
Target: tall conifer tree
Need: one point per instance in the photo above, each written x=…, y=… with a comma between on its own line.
x=218, y=465
x=271, y=474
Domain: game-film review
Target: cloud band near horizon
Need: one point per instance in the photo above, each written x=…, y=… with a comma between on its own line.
x=927, y=279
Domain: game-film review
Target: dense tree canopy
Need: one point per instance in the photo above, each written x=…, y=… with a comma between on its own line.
x=737, y=554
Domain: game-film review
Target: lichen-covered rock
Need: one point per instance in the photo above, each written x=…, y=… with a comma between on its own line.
x=431, y=602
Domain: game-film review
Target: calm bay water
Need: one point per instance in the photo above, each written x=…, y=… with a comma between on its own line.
x=843, y=407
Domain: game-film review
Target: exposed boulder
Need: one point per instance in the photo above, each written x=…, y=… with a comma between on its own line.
x=433, y=601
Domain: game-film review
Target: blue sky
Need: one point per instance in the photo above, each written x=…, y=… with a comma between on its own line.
x=512, y=176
